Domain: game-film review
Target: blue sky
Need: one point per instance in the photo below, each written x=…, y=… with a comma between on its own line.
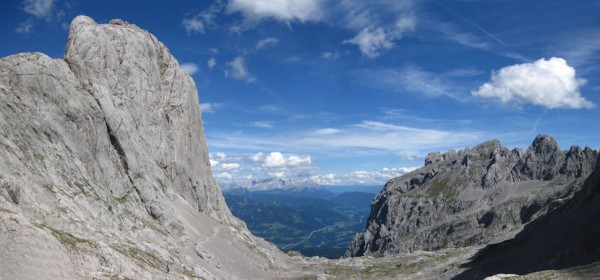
x=358, y=91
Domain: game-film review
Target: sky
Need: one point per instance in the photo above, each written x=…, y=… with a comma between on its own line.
x=358, y=91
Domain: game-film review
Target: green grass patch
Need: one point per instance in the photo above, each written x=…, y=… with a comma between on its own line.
x=437, y=187
x=68, y=240
x=123, y=198
x=49, y=188
x=139, y=256
x=191, y=274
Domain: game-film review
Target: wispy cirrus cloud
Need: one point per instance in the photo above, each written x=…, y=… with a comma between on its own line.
x=363, y=138
x=200, y=22
x=413, y=79
x=265, y=42
x=46, y=10
x=207, y=108
x=39, y=8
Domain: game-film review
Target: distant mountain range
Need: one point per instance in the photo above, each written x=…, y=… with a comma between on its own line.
x=302, y=217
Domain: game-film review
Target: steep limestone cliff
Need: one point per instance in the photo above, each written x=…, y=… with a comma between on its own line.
x=105, y=172
x=472, y=197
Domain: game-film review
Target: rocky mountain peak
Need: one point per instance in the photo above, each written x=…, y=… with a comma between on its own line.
x=544, y=146
x=471, y=197
x=105, y=171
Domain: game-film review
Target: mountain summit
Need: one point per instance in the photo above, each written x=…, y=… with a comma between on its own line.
x=105, y=170
x=472, y=197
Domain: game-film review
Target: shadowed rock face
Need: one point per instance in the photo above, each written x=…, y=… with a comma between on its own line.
x=105, y=170
x=472, y=197
x=566, y=236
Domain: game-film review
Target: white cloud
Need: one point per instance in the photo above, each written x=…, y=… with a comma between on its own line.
x=203, y=20
x=331, y=55
x=190, y=68
x=258, y=157
x=376, y=177
x=327, y=179
x=25, y=27
x=267, y=41
x=277, y=159
x=221, y=156
x=39, y=8
x=230, y=166
x=237, y=69
x=267, y=125
x=373, y=41
x=213, y=163
x=278, y=174
x=211, y=63
x=207, y=108
x=549, y=83
x=283, y=10
x=193, y=25
x=224, y=175
x=327, y=131
x=298, y=161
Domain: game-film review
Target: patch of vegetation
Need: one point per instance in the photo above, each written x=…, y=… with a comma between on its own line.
x=191, y=274
x=437, y=186
x=49, y=188
x=123, y=198
x=312, y=226
x=67, y=239
x=139, y=256
x=2, y=210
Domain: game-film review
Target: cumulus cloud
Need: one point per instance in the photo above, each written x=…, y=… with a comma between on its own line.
x=39, y=8
x=190, y=68
x=373, y=41
x=237, y=69
x=283, y=10
x=230, y=166
x=549, y=83
x=211, y=63
x=267, y=41
x=277, y=159
x=258, y=157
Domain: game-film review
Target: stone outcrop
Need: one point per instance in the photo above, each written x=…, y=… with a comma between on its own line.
x=565, y=238
x=472, y=197
x=105, y=172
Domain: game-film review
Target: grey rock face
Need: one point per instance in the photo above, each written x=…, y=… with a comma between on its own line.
x=472, y=197
x=105, y=171
x=565, y=237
